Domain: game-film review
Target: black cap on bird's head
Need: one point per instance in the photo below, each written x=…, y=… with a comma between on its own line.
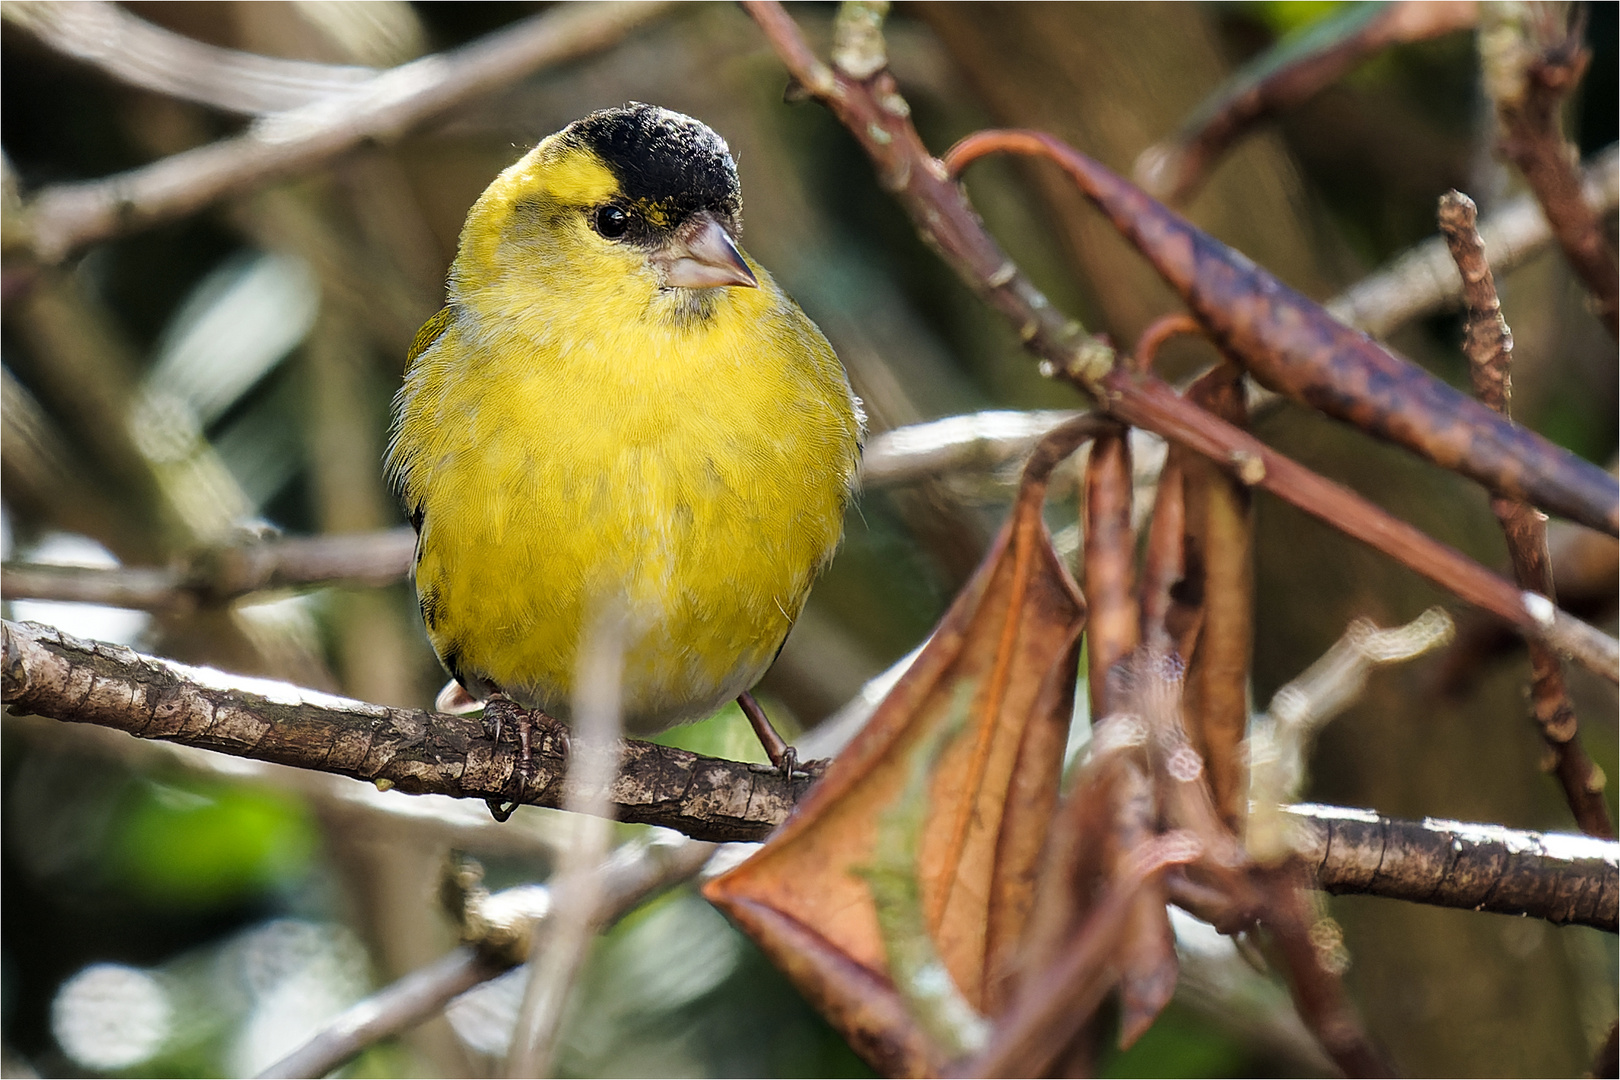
x=662, y=159
x=681, y=196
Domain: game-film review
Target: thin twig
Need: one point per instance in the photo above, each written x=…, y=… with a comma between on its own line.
x=63, y=218
x=1312, y=950
x=397, y=1007
x=1148, y=402
x=633, y=874
x=1533, y=58
x=1489, y=346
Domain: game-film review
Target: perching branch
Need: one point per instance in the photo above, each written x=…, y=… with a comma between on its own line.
x=1489, y=346
x=49, y=673
x=65, y=217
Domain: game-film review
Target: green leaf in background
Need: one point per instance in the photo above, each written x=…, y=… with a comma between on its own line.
x=201, y=845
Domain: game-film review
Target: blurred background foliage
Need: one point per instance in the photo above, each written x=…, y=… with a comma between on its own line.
x=229, y=375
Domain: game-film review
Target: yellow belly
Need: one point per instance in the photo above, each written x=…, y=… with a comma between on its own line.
x=698, y=477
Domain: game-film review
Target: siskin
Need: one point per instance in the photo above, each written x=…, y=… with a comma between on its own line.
x=617, y=405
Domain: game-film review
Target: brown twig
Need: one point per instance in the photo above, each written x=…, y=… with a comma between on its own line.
x=1293, y=72
x=1150, y=403
x=1533, y=59
x=1291, y=345
x=61, y=219
x=1489, y=346
x=1557, y=877
x=876, y=114
x=48, y=673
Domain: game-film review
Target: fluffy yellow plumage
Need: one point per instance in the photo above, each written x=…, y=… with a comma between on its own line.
x=606, y=408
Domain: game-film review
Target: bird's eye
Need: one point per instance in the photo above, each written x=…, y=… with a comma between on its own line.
x=611, y=221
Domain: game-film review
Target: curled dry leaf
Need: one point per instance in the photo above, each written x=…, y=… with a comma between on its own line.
x=1219, y=529
x=1009, y=645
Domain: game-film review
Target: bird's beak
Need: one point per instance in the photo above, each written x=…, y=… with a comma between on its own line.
x=702, y=255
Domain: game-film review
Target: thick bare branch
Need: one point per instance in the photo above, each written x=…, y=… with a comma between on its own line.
x=49, y=673
x=90, y=682
x=63, y=218
x=1551, y=876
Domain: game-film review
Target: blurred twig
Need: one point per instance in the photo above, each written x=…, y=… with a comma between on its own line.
x=1280, y=739
x=1489, y=345
x=65, y=217
x=1533, y=58
x=141, y=54
x=217, y=576
x=973, y=443
x=557, y=953
x=634, y=873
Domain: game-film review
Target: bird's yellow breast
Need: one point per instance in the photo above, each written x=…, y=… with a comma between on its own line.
x=692, y=456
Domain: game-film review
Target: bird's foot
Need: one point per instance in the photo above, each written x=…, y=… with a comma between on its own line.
x=502, y=714
x=782, y=755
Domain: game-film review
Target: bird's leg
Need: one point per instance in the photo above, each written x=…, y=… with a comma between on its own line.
x=782, y=755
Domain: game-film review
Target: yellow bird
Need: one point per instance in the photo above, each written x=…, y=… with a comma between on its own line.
x=617, y=405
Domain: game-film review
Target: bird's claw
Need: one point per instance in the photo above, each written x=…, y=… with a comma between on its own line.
x=502, y=714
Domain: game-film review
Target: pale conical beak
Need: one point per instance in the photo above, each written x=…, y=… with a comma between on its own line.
x=702, y=255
